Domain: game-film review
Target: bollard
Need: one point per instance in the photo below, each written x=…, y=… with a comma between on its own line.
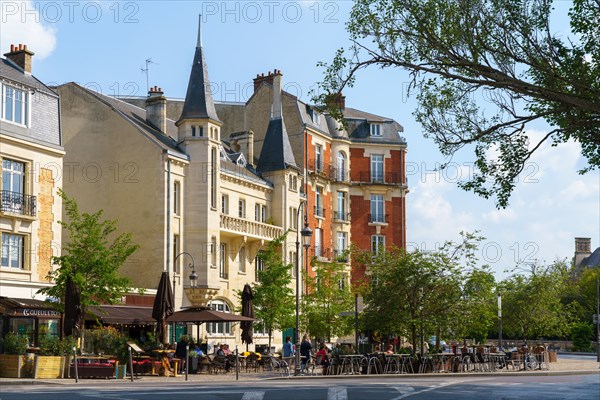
x=237, y=365
x=187, y=358
x=75, y=364
x=130, y=362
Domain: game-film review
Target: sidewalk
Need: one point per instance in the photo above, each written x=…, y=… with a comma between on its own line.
x=561, y=367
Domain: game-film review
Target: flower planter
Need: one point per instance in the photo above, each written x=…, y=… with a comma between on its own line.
x=12, y=366
x=49, y=367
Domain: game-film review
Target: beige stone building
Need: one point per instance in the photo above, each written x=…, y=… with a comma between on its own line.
x=31, y=154
x=215, y=182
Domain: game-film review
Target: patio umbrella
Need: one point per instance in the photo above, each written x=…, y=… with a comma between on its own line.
x=163, y=307
x=247, y=311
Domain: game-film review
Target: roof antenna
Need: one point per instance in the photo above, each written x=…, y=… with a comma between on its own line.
x=146, y=71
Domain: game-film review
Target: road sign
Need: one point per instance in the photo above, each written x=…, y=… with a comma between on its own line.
x=595, y=318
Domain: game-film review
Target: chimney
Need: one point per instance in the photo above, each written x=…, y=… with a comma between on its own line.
x=277, y=112
x=156, y=109
x=250, y=148
x=262, y=78
x=336, y=100
x=583, y=249
x=20, y=56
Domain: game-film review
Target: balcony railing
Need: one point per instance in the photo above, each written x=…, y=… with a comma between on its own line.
x=341, y=216
x=319, y=212
x=387, y=178
x=340, y=175
x=321, y=168
x=378, y=218
x=255, y=229
x=340, y=255
x=320, y=252
x=18, y=203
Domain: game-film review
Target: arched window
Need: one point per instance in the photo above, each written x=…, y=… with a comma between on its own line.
x=341, y=166
x=219, y=328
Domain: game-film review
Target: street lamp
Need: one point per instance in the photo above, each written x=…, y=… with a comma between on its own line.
x=306, y=233
x=193, y=278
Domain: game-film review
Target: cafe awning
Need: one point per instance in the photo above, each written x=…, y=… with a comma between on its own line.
x=12, y=306
x=122, y=315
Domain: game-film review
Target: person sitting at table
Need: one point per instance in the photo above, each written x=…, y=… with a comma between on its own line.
x=221, y=352
x=377, y=350
x=322, y=353
x=226, y=350
x=390, y=349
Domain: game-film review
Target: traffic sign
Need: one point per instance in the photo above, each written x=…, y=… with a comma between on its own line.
x=595, y=318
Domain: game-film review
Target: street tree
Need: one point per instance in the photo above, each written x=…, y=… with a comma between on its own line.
x=531, y=302
x=328, y=295
x=273, y=297
x=483, y=72
x=88, y=268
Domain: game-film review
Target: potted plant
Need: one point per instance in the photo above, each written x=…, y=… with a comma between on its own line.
x=12, y=362
x=50, y=362
x=193, y=362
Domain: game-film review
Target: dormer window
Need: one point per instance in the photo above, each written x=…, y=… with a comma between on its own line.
x=241, y=161
x=15, y=105
x=376, y=130
x=316, y=118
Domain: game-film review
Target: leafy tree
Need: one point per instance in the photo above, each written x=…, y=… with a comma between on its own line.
x=580, y=295
x=483, y=71
x=581, y=335
x=273, y=297
x=89, y=264
x=328, y=295
x=531, y=302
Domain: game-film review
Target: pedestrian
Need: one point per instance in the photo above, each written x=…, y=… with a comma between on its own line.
x=180, y=352
x=288, y=347
x=305, y=349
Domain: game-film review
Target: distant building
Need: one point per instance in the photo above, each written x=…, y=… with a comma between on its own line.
x=584, y=258
x=31, y=154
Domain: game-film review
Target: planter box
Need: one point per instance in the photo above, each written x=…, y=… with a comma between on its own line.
x=49, y=367
x=12, y=366
x=552, y=356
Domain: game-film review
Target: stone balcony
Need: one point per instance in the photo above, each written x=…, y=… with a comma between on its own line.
x=251, y=229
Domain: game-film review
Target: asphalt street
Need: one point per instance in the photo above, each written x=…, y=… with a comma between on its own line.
x=489, y=388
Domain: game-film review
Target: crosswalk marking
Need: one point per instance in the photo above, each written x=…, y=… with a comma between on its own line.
x=253, y=396
x=337, y=393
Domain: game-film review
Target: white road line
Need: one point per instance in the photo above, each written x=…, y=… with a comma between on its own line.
x=253, y=396
x=337, y=393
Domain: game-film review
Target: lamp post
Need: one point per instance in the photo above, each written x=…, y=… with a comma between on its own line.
x=499, y=321
x=306, y=235
x=193, y=277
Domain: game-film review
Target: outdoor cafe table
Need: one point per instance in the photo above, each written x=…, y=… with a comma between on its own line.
x=351, y=360
x=165, y=353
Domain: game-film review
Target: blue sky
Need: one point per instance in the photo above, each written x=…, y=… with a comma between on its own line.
x=103, y=45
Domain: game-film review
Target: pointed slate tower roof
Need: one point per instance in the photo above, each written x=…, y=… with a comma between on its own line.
x=276, y=153
x=198, y=100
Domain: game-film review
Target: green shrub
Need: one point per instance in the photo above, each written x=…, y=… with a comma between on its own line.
x=15, y=344
x=109, y=341
x=54, y=346
x=581, y=336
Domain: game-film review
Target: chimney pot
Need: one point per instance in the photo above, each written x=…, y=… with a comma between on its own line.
x=12, y=48
x=20, y=56
x=156, y=108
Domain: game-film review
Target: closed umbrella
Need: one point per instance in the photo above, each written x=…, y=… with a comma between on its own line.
x=247, y=311
x=163, y=307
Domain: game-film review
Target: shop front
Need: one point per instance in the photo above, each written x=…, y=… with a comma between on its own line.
x=30, y=318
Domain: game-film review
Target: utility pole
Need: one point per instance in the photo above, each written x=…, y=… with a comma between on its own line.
x=499, y=321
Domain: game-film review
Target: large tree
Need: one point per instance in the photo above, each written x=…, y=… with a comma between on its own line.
x=88, y=269
x=483, y=71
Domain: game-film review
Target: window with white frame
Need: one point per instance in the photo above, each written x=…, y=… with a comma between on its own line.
x=13, y=251
x=242, y=259
x=293, y=182
x=342, y=242
x=293, y=218
x=376, y=130
x=377, y=208
x=224, y=204
x=213, y=251
x=377, y=244
x=13, y=186
x=376, y=167
x=341, y=167
x=342, y=282
x=257, y=212
x=15, y=105
x=175, y=253
x=259, y=266
x=242, y=208
x=219, y=328
x=176, y=197
x=319, y=212
x=223, y=265
x=318, y=242
x=319, y=157
x=263, y=213
x=341, y=206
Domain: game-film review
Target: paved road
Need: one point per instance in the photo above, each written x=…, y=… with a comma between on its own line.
x=489, y=388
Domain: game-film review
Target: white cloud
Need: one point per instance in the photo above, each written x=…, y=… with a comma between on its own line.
x=21, y=23
x=500, y=216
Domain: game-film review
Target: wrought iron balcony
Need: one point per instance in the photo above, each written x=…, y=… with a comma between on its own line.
x=387, y=178
x=319, y=212
x=341, y=216
x=378, y=218
x=340, y=255
x=18, y=203
x=258, y=230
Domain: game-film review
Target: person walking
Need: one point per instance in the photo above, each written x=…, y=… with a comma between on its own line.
x=288, y=347
x=305, y=349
